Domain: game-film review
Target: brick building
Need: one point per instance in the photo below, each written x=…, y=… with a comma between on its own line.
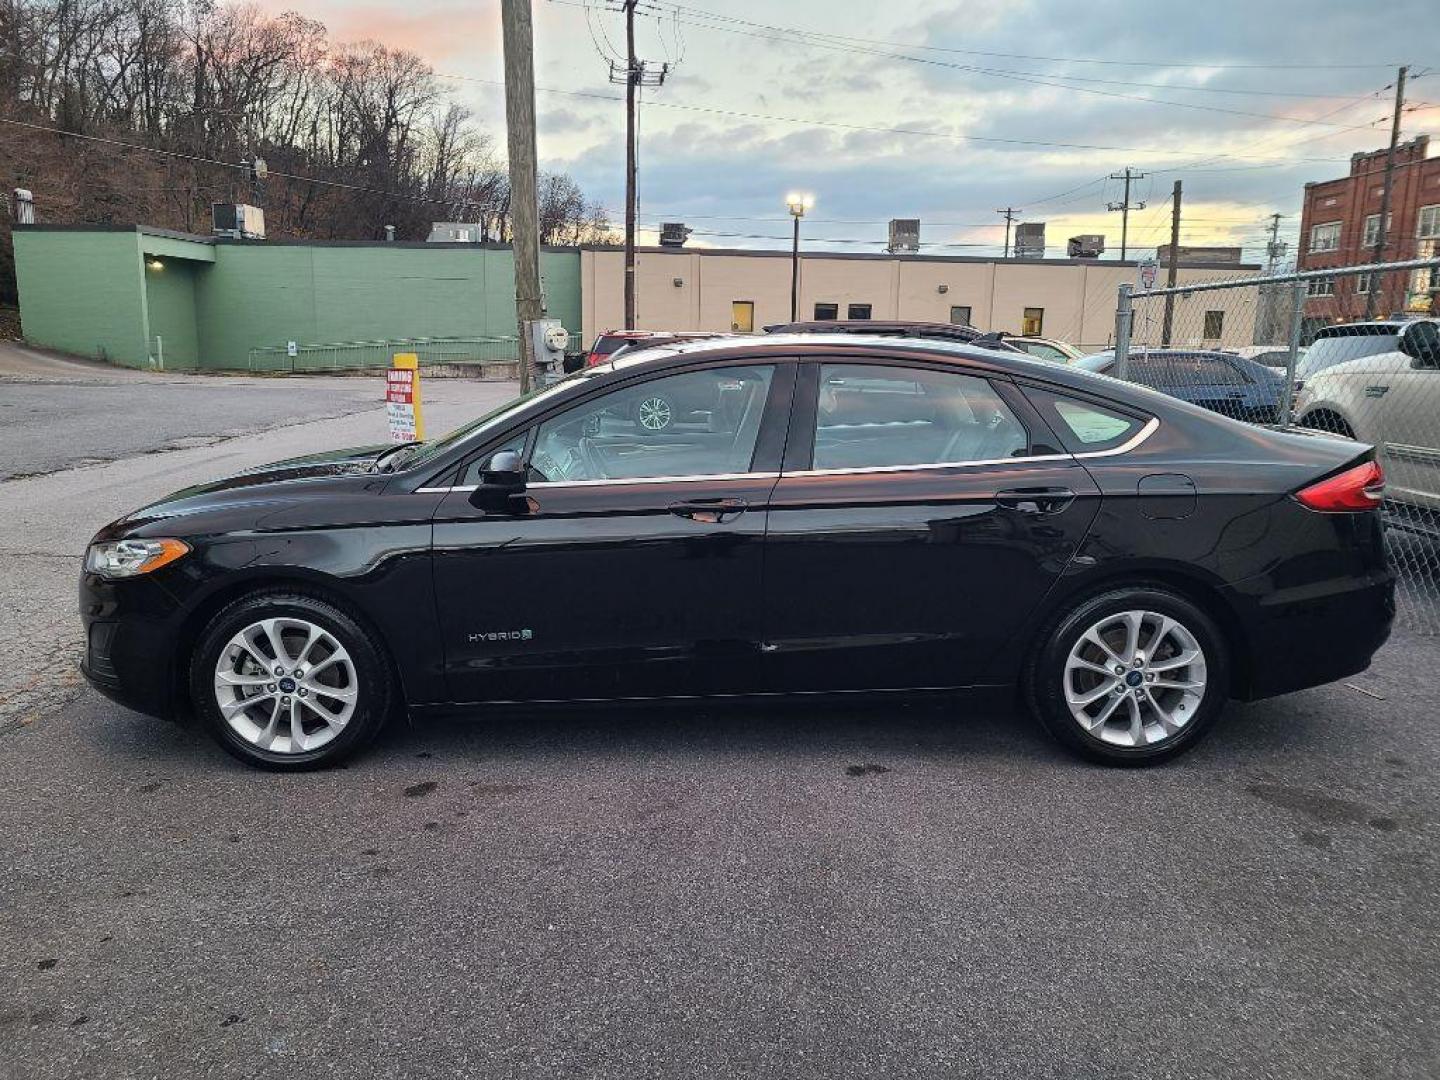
x=1340, y=224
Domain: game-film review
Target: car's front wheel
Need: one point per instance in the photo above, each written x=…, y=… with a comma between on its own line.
x=1131, y=677
x=289, y=681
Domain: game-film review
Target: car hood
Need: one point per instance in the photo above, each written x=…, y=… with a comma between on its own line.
x=276, y=482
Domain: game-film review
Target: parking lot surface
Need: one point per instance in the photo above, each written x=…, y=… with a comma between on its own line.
x=877, y=889
x=799, y=891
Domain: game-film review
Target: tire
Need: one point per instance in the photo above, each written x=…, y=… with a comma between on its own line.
x=1177, y=702
x=340, y=705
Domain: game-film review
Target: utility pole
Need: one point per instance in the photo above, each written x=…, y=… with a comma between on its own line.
x=1273, y=250
x=1124, y=206
x=1172, y=265
x=520, y=142
x=1009, y=213
x=1267, y=319
x=1384, y=229
x=635, y=76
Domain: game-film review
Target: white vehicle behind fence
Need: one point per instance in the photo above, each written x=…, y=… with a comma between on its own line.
x=1379, y=382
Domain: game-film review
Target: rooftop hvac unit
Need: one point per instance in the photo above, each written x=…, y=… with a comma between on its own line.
x=1030, y=240
x=904, y=236
x=673, y=234
x=239, y=221
x=1087, y=246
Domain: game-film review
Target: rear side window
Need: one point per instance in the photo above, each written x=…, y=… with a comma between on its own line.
x=1343, y=344
x=870, y=417
x=1084, y=426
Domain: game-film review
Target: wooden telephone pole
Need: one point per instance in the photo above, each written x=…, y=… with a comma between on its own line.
x=635, y=75
x=1125, y=206
x=1381, y=234
x=518, y=39
x=1172, y=266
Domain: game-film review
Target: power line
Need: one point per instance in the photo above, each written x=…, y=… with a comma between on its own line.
x=743, y=115
x=1052, y=59
x=790, y=35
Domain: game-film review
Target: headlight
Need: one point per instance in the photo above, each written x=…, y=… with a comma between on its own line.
x=127, y=558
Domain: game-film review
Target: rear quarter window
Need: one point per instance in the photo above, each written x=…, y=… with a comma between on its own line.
x=1082, y=425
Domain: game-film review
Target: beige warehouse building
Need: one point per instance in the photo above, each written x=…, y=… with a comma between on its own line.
x=718, y=289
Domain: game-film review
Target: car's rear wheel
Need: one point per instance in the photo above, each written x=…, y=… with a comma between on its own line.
x=289, y=681
x=1131, y=677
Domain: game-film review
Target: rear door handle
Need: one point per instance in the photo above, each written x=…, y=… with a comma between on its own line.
x=709, y=511
x=1037, y=500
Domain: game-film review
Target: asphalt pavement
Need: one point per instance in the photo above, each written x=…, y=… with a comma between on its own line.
x=801, y=891
x=928, y=889
x=87, y=456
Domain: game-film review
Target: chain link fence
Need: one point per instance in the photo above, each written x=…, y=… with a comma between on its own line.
x=1350, y=351
x=500, y=353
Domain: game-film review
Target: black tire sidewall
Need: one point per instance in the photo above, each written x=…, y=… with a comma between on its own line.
x=1044, y=677
x=371, y=671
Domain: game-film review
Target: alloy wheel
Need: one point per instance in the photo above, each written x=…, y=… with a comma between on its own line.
x=1135, y=678
x=654, y=414
x=286, y=685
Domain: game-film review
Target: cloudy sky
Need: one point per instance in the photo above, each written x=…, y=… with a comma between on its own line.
x=946, y=110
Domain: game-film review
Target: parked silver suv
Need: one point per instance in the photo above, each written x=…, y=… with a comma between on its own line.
x=1379, y=382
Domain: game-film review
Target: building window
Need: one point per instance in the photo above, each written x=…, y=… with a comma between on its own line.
x=1033, y=324
x=1325, y=237
x=1372, y=229
x=1362, y=284
x=857, y=311
x=826, y=312
x=1427, y=225
x=1320, y=287
x=1214, y=325
x=960, y=314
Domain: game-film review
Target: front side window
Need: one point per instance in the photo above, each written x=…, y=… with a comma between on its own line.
x=1033, y=324
x=872, y=416
x=698, y=423
x=1325, y=237
x=1042, y=351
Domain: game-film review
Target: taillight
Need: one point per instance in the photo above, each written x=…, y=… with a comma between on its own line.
x=594, y=358
x=1360, y=488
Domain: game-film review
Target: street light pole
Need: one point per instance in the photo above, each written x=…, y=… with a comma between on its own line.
x=797, y=204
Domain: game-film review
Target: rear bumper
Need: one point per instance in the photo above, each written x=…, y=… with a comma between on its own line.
x=1316, y=635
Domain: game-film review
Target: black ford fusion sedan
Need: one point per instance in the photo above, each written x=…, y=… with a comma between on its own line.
x=837, y=514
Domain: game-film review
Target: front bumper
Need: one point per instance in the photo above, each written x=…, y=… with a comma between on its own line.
x=131, y=633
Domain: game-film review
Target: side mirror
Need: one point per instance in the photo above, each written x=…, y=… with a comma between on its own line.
x=502, y=479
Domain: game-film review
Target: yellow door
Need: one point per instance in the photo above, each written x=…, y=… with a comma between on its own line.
x=742, y=316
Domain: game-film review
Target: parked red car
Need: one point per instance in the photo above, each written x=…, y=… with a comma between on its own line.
x=612, y=341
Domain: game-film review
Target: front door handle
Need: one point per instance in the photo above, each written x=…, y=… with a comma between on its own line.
x=709, y=511
x=1036, y=500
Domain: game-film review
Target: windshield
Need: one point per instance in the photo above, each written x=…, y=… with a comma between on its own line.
x=419, y=453
x=1096, y=361
x=1350, y=343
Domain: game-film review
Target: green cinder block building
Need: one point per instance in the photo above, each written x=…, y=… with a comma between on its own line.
x=139, y=296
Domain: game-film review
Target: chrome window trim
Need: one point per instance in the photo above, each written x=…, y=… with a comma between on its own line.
x=1150, y=427
x=552, y=485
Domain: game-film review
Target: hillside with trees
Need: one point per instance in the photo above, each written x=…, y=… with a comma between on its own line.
x=164, y=100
